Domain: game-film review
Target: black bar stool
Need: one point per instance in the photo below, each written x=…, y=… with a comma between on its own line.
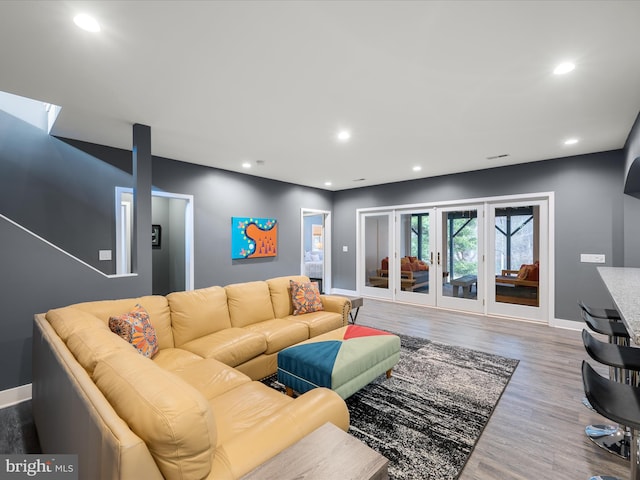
x=610, y=313
x=612, y=438
x=618, y=402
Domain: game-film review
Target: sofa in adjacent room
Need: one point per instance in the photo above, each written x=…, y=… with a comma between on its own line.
x=519, y=286
x=167, y=387
x=414, y=274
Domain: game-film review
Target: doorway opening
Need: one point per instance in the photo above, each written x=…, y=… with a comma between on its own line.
x=171, y=239
x=316, y=247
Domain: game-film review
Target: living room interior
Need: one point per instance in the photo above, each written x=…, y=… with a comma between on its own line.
x=239, y=115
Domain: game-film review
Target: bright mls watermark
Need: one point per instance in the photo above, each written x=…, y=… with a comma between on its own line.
x=52, y=467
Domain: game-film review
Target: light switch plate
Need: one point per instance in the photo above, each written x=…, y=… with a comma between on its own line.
x=592, y=258
x=104, y=254
x=345, y=248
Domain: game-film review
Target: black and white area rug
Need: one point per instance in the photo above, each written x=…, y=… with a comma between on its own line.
x=427, y=418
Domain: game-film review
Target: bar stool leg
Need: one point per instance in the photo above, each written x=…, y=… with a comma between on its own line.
x=612, y=438
x=635, y=470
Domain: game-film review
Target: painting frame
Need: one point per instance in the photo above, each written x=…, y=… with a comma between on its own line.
x=253, y=237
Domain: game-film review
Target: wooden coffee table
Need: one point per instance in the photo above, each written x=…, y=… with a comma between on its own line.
x=325, y=453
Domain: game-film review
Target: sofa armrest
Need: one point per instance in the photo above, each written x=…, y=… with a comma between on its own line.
x=72, y=416
x=338, y=304
x=285, y=427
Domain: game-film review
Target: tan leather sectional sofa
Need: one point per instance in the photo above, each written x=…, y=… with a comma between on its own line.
x=192, y=411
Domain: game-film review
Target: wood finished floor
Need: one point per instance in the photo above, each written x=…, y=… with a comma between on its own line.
x=537, y=429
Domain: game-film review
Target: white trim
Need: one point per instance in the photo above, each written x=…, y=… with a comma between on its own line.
x=549, y=197
x=63, y=251
x=15, y=395
x=566, y=324
x=189, y=248
x=453, y=203
x=326, y=248
x=342, y=291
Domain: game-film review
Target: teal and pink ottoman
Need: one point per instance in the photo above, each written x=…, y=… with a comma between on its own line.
x=344, y=360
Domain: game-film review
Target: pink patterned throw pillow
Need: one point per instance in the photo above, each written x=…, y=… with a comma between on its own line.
x=305, y=297
x=136, y=329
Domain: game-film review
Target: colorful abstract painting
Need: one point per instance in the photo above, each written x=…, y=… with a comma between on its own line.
x=253, y=237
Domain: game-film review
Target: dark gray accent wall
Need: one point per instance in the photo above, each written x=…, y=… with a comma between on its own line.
x=169, y=258
x=35, y=278
x=59, y=192
x=589, y=215
x=220, y=195
x=160, y=215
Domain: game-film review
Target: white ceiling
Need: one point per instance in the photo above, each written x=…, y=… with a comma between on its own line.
x=443, y=85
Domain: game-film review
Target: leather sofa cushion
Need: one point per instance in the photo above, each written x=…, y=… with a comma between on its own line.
x=318, y=322
x=68, y=320
x=281, y=294
x=157, y=307
x=89, y=346
x=280, y=430
x=211, y=377
x=280, y=333
x=249, y=303
x=171, y=416
x=231, y=346
x=197, y=313
x=174, y=358
x=243, y=407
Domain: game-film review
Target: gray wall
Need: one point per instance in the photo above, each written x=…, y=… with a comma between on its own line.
x=35, y=278
x=66, y=195
x=62, y=194
x=220, y=195
x=589, y=215
x=168, y=260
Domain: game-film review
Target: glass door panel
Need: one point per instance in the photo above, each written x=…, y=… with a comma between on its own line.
x=459, y=258
x=518, y=247
x=414, y=239
x=376, y=271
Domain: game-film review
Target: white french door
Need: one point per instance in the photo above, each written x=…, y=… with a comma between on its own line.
x=518, y=259
x=415, y=247
x=459, y=257
x=490, y=256
x=376, y=275
x=433, y=257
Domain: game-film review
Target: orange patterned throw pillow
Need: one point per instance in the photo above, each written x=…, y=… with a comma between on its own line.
x=305, y=297
x=136, y=329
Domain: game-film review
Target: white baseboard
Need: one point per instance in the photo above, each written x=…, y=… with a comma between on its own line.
x=341, y=291
x=15, y=395
x=568, y=324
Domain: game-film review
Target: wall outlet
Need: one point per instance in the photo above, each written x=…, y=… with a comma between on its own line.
x=345, y=248
x=592, y=258
x=104, y=255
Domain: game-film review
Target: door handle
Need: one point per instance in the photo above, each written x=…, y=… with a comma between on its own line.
x=431, y=259
x=438, y=258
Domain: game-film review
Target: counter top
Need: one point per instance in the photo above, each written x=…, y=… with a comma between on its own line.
x=623, y=284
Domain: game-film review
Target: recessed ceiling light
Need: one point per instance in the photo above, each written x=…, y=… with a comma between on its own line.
x=246, y=165
x=417, y=168
x=327, y=184
x=564, y=67
x=571, y=141
x=86, y=22
x=343, y=135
